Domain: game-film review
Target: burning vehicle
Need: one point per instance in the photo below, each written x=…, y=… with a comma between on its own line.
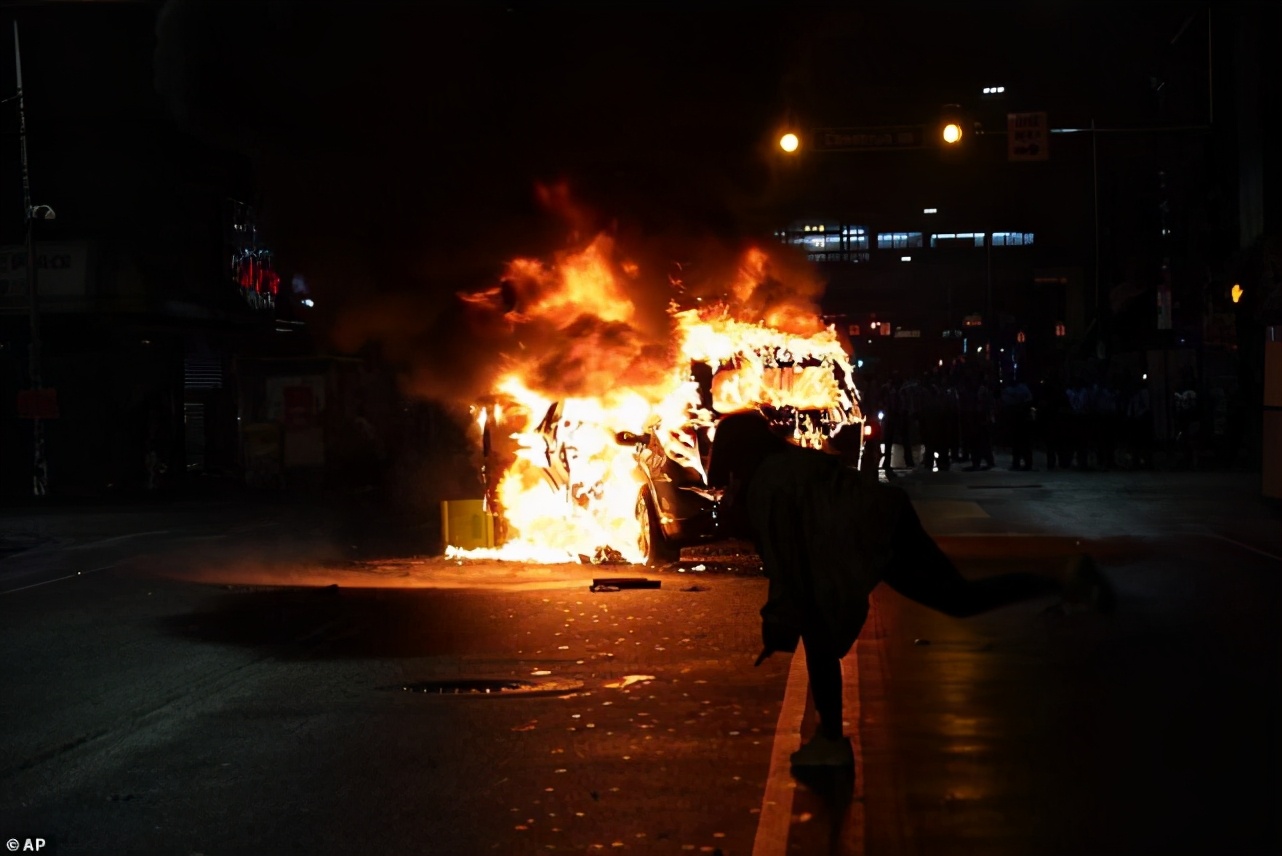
x=616, y=469
x=806, y=399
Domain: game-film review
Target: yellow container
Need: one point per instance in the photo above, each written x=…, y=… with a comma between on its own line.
x=466, y=524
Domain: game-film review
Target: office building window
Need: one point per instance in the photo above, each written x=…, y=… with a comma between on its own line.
x=957, y=239
x=828, y=242
x=1012, y=239
x=898, y=240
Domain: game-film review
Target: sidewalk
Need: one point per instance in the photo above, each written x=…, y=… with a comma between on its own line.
x=1104, y=504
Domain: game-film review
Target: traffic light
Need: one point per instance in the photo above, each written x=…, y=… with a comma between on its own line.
x=952, y=125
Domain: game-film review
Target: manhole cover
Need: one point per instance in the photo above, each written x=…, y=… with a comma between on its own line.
x=483, y=687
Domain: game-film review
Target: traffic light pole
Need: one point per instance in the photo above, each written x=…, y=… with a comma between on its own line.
x=1099, y=324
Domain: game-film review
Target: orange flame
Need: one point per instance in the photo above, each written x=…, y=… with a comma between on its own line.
x=567, y=488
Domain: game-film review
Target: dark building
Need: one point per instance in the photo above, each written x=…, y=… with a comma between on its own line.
x=176, y=348
x=173, y=335
x=1106, y=241
x=149, y=279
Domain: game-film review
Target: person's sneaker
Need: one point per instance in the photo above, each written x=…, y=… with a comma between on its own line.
x=825, y=752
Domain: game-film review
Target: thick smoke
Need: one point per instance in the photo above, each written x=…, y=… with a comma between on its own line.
x=592, y=356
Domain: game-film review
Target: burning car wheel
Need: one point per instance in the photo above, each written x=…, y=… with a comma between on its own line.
x=656, y=548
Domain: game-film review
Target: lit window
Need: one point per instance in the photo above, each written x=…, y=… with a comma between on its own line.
x=930, y=210
x=898, y=240
x=1012, y=239
x=957, y=239
x=828, y=242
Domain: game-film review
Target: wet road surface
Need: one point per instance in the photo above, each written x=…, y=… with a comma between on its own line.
x=240, y=688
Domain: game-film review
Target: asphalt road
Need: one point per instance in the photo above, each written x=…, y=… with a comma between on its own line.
x=223, y=681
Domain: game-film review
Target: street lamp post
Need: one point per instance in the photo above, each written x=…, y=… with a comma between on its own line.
x=988, y=308
x=40, y=468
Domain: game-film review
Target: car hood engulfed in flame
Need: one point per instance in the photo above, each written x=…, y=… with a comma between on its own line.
x=584, y=368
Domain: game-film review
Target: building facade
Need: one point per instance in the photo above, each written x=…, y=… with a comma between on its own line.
x=1107, y=241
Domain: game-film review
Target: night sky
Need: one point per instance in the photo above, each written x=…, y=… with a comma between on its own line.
x=397, y=148
x=430, y=123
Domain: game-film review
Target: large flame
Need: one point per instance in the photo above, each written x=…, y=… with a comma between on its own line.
x=564, y=487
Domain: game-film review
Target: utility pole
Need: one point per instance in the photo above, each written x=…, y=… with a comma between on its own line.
x=40, y=470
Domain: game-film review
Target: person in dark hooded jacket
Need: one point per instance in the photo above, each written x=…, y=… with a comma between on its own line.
x=826, y=538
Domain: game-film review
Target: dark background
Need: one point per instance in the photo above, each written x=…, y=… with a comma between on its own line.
x=391, y=155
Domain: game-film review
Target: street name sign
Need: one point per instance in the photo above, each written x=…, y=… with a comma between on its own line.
x=881, y=137
x=1027, y=137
